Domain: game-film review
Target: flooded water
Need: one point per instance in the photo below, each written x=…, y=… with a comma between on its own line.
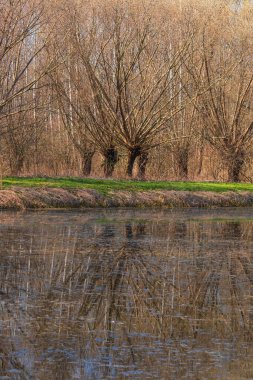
x=126, y=294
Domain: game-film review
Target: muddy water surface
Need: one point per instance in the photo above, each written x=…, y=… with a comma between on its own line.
x=126, y=294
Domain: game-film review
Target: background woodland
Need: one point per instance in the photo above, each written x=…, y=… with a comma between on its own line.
x=127, y=88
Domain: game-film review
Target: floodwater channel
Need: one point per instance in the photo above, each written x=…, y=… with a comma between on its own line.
x=126, y=294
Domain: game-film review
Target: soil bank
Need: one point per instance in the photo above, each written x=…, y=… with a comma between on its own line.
x=46, y=198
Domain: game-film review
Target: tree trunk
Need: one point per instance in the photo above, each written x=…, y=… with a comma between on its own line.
x=235, y=164
x=110, y=160
x=142, y=164
x=182, y=158
x=17, y=166
x=132, y=155
x=201, y=157
x=87, y=162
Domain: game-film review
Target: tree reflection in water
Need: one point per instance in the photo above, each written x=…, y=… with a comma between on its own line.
x=96, y=298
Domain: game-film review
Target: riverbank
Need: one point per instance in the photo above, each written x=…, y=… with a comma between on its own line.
x=21, y=193
x=45, y=198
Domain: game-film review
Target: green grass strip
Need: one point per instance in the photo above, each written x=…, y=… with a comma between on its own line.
x=106, y=185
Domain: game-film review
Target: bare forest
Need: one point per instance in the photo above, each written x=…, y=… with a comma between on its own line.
x=127, y=88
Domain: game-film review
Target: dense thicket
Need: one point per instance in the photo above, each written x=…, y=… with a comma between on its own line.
x=127, y=88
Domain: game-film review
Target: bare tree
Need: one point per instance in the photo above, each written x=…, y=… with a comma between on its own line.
x=23, y=129
x=119, y=82
x=131, y=76
x=226, y=107
x=18, y=28
x=122, y=78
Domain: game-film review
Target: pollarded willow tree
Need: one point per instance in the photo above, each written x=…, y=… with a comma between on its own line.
x=120, y=79
x=71, y=105
x=81, y=112
x=225, y=107
x=145, y=55
x=183, y=129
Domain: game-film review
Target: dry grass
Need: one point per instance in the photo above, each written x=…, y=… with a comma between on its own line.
x=43, y=198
